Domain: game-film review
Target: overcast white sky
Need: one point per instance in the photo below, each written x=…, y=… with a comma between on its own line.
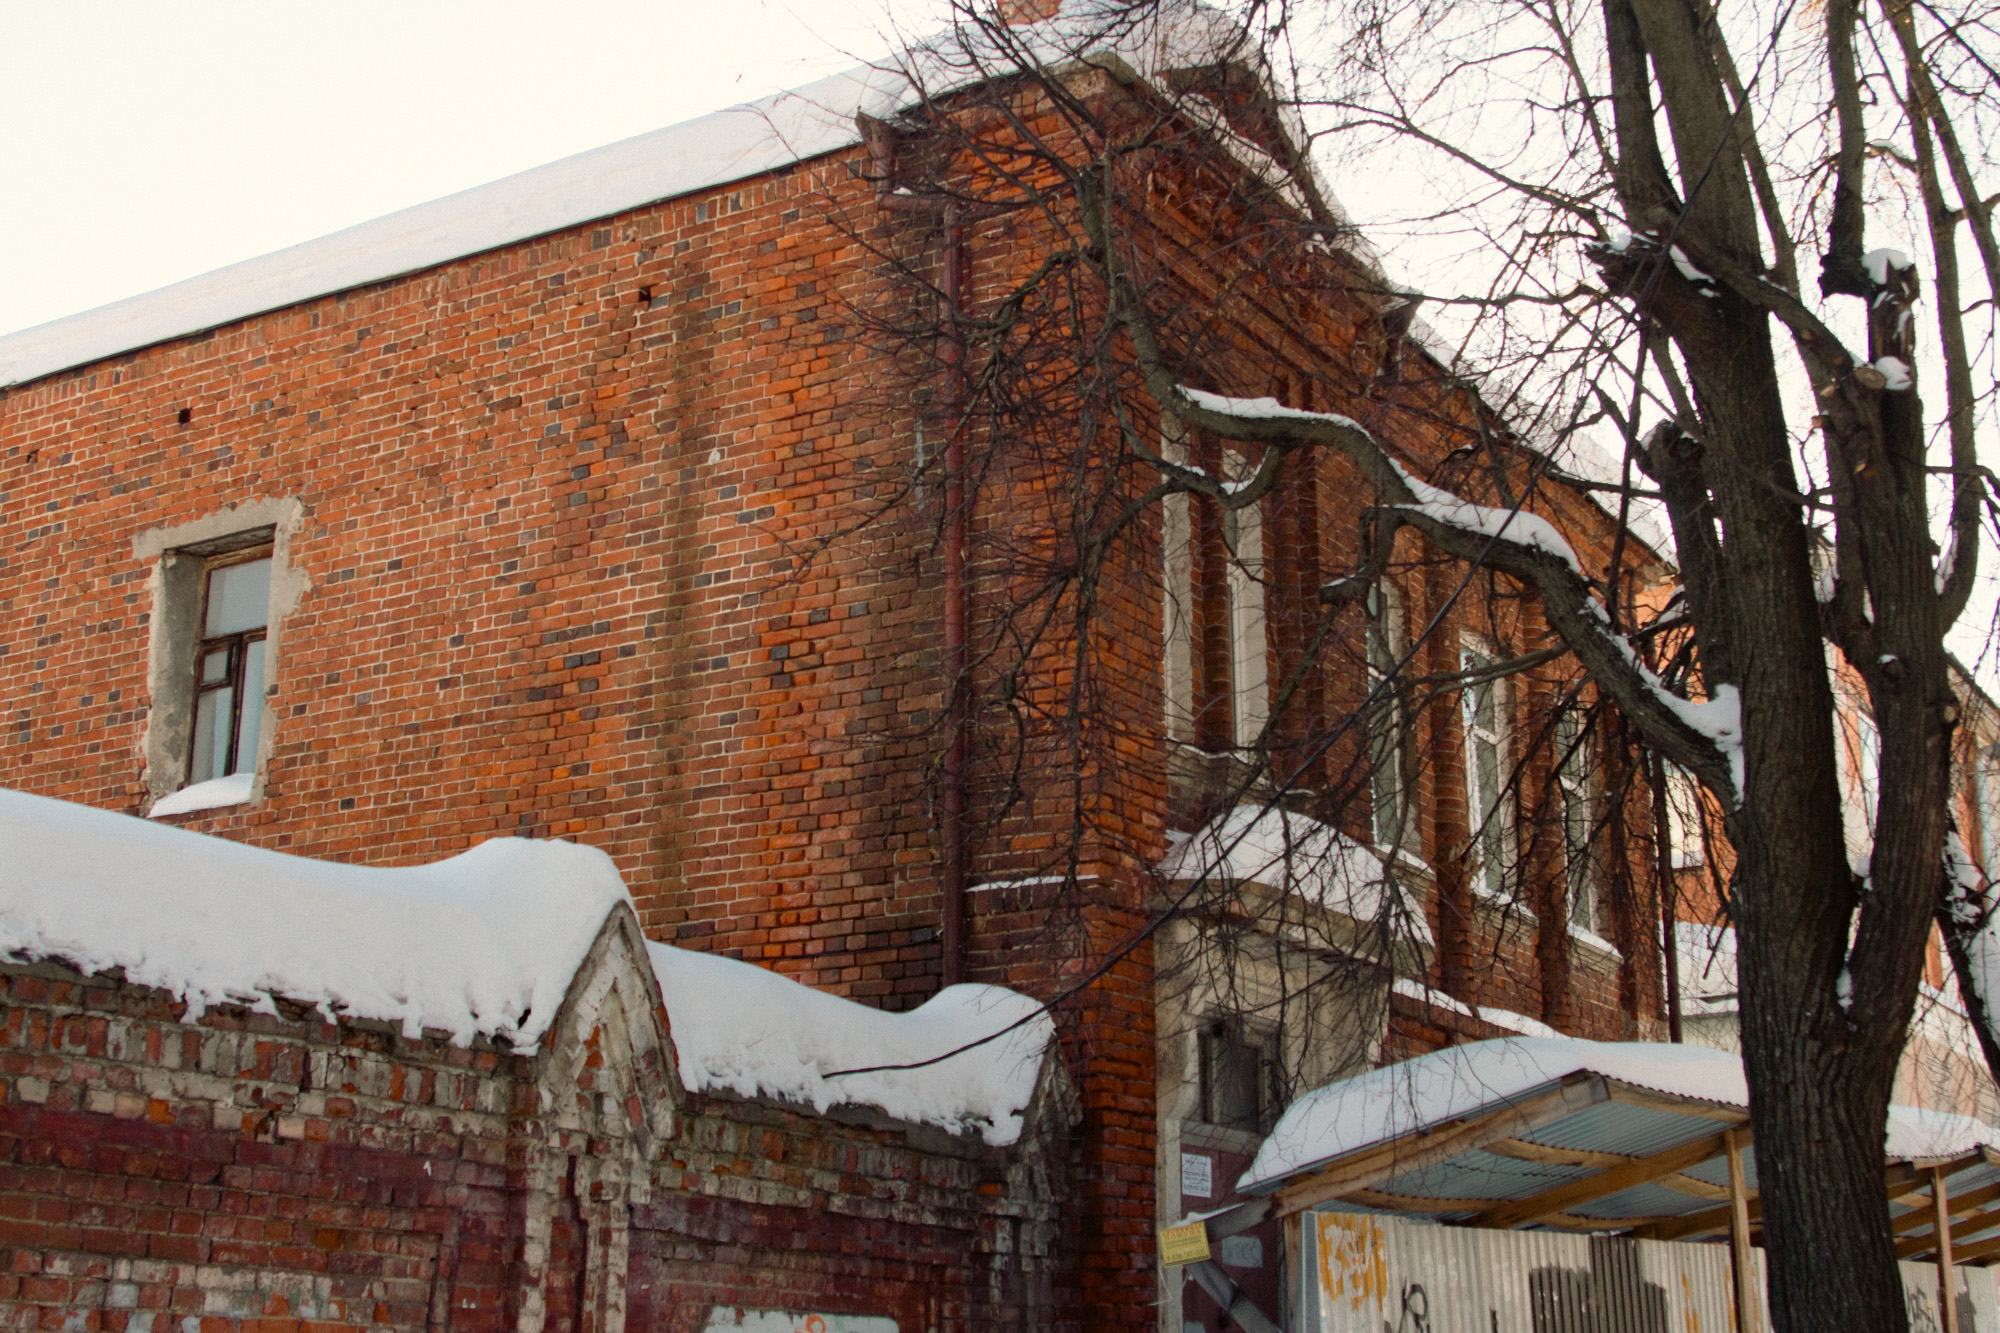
x=148, y=142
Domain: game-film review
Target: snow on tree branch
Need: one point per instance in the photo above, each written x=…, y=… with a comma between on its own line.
x=1457, y=526
x=1705, y=737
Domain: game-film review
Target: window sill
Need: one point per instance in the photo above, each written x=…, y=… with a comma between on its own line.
x=211, y=795
x=1503, y=903
x=1403, y=857
x=1593, y=940
x=1199, y=1134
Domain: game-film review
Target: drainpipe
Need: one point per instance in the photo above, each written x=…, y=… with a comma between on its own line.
x=950, y=214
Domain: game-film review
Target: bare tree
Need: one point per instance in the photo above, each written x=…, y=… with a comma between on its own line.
x=1649, y=196
x=1185, y=342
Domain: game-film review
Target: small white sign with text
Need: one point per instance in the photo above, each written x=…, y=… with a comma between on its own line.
x=1197, y=1176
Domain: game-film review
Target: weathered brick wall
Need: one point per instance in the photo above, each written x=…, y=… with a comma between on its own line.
x=279, y=1172
x=761, y=1207
x=247, y=1168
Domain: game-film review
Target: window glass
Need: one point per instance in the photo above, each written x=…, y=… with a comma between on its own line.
x=239, y=597
x=1394, y=822
x=212, y=716
x=1236, y=1071
x=253, y=708
x=1485, y=741
x=1684, y=817
x=1243, y=533
x=1986, y=796
x=1573, y=786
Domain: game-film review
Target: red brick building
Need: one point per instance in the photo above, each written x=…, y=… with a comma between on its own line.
x=590, y=514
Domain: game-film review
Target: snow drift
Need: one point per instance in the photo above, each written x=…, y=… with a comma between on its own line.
x=481, y=944
x=752, y=1032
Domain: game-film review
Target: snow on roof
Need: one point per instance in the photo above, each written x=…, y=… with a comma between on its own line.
x=1296, y=853
x=481, y=944
x=1916, y=1134
x=752, y=1032
x=712, y=150
x=1387, y=1103
x=716, y=149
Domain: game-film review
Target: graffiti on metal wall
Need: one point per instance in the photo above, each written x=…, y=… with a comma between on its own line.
x=1381, y=1274
x=1920, y=1298
x=1611, y=1296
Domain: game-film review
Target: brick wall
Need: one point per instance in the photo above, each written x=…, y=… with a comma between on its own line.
x=551, y=534
x=277, y=1173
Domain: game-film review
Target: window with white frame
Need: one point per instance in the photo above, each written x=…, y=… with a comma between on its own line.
x=1986, y=805
x=1395, y=823
x=1860, y=768
x=1249, y=668
x=1684, y=819
x=1573, y=772
x=1484, y=701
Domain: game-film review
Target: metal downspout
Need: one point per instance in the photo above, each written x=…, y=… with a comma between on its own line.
x=880, y=139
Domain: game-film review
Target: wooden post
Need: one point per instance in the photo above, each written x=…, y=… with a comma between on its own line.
x=1297, y=1295
x=1748, y=1319
x=1941, y=1220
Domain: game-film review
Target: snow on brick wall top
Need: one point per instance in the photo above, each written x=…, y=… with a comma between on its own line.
x=741, y=1028
x=484, y=943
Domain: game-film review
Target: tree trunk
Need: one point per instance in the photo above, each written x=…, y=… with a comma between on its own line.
x=1819, y=1100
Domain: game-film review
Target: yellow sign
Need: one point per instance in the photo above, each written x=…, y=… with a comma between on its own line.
x=1186, y=1244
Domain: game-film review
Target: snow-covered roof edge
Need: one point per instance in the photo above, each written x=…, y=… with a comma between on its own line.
x=720, y=148
x=1417, y=1095
x=493, y=943
x=712, y=150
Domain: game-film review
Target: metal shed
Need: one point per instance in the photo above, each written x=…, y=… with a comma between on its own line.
x=1632, y=1139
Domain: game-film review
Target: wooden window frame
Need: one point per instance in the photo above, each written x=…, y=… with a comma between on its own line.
x=1489, y=815
x=1576, y=793
x=237, y=644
